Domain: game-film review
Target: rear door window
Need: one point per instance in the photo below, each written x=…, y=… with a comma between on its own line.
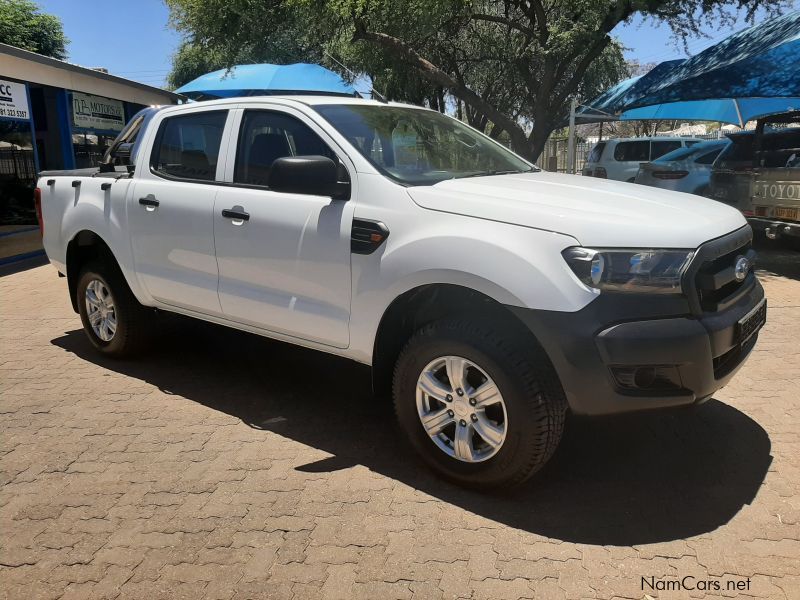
x=635, y=151
x=187, y=146
x=597, y=152
x=661, y=147
x=709, y=157
x=679, y=154
x=739, y=154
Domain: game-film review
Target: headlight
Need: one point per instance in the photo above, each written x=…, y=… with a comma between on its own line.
x=647, y=270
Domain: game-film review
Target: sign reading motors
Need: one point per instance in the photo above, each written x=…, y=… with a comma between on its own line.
x=13, y=101
x=96, y=112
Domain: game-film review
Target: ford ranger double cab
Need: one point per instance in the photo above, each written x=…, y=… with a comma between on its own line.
x=488, y=297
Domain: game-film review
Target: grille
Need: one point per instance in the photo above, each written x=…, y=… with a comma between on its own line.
x=714, y=272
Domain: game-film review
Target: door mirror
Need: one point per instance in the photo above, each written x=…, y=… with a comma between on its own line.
x=313, y=175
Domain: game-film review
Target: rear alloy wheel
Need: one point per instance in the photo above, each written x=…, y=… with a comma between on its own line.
x=481, y=404
x=114, y=321
x=100, y=310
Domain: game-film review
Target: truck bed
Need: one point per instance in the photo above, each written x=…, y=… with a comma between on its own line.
x=88, y=172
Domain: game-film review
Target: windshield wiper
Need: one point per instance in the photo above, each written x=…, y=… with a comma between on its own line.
x=492, y=173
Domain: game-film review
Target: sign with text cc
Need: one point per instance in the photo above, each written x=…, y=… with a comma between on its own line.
x=13, y=101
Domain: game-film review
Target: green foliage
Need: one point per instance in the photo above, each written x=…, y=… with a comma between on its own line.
x=24, y=26
x=508, y=67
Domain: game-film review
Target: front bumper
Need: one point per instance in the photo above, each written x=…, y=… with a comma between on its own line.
x=597, y=350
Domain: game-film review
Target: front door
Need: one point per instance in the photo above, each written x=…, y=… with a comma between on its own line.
x=171, y=212
x=285, y=267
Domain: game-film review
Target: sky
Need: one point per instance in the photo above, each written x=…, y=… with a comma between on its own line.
x=143, y=48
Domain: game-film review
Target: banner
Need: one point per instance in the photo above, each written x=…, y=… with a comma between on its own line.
x=13, y=100
x=96, y=112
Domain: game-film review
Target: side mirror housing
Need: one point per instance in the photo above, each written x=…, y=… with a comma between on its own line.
x=313, y=175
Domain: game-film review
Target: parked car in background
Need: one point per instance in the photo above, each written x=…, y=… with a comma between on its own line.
x=683, y=170
x=620, y=159
x=759, y=173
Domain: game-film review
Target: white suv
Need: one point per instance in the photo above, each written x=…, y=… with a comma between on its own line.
x=619, y=159
x=487, y=296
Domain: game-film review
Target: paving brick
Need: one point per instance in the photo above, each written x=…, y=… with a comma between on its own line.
x=217, y=467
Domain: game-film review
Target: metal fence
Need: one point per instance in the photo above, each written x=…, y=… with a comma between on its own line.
x=554, y=155
x=17, y=164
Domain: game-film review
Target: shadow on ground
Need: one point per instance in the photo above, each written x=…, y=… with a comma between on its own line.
x=626, y=480
x=777, y=258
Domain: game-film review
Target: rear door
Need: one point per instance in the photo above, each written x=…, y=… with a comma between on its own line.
x=171, y=209
x=286, y=266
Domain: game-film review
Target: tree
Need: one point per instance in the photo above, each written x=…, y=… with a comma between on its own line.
x=24, y=26
x=508, y=67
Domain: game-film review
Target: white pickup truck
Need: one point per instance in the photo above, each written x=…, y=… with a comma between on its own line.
x=488, y=297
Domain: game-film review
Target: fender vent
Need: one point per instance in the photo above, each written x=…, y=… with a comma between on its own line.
x=367, y=236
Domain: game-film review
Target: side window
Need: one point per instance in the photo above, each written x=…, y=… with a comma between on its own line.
x=187, y=146
x=267, y=136
x=637, y=151
x=708, y=157
x=660, y=148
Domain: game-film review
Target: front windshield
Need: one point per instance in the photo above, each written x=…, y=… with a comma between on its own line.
x=419, y=147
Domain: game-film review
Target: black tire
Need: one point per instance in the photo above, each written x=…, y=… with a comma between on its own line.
x=133, y=320
x=531, y=391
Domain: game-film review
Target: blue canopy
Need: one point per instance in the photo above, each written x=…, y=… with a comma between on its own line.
x=751, y=74
x=736, y=111
x=610, y=103
x=760, y=62
x=266, y=79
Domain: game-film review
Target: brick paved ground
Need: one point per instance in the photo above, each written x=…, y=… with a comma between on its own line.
x=228, y=466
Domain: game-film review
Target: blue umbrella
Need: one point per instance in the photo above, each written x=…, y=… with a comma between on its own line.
x=736, y=111
x=266, y=79
x=751, y=74
x=760, y=62
x=608, y=105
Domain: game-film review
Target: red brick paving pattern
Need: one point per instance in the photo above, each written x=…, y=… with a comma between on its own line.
x=227, y=466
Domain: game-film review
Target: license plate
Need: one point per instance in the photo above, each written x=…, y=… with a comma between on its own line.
x=786, y=213
x=752, y=322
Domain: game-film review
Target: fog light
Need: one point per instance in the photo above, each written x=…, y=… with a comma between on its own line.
x=644, y=377
x=647, y=377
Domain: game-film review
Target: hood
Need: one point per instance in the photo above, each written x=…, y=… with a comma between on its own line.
x=596, y=212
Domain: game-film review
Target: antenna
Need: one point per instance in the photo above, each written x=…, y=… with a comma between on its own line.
x=375, y=93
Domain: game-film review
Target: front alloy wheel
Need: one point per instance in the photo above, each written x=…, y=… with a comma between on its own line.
x=480, y=402
x=461, y=409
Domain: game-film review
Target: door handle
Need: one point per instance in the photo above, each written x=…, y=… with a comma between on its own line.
x=148, y=201
x=232, y=213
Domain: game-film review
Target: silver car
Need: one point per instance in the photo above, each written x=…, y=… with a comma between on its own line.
x=684, y=169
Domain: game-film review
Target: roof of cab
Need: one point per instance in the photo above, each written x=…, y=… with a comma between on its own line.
x=308, y=100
